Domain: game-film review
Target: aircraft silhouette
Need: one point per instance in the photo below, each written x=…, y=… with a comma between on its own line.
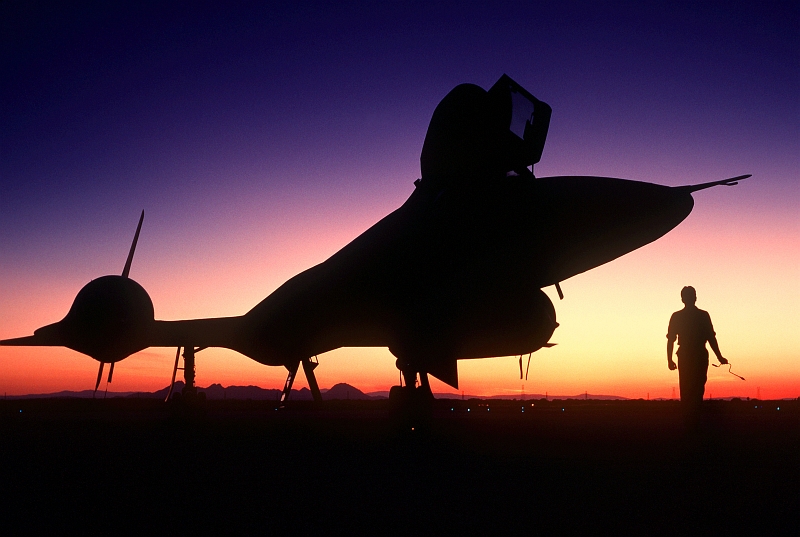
x=455, y=273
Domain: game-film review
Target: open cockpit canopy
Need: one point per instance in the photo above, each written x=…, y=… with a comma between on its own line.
x=478, y=134
x=526, y=118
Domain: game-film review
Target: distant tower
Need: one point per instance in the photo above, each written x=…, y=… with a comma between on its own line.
x=758, y=392
x=673, y=392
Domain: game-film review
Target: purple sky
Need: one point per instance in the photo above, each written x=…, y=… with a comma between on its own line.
x=260, y=139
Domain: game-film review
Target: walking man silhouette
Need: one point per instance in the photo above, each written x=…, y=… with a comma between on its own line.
x=692, y=327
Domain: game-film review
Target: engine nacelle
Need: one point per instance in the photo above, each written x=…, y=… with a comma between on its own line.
x=508, y=325
x=109, y=320
x=508, y=330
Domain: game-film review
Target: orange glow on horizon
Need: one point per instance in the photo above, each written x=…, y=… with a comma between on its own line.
x=613, y=320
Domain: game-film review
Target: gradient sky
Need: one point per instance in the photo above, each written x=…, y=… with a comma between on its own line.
x=261, y=138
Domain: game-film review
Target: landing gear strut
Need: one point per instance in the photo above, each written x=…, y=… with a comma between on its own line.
x=189, y=391
x=412, y=384
x=188, y=372
x=309, y=366
x=412, y=403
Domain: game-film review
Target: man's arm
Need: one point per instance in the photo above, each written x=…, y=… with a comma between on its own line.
x=670, y=362
x=715, y=347
x=712, y=341
x=671, y=335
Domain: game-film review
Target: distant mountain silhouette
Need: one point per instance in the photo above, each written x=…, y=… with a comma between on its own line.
x=341, y=391
x=255, y=393
x=345, y=391
x=216, y=392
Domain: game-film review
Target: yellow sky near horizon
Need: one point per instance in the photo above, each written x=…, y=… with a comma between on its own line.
x=613, y=320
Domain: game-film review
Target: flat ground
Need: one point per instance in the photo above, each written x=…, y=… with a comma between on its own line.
x=588, y=467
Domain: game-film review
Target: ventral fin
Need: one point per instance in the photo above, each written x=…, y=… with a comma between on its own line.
x=446, y=371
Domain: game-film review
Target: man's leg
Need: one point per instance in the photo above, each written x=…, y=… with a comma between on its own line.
x=692, y=385
x=691, y=388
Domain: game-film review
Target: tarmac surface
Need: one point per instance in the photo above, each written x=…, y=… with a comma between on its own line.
x=130, y=466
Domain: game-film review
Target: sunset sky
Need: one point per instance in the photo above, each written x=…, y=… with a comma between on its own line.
x=262, y=138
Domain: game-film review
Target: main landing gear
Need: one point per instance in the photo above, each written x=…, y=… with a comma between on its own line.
x=412, y=401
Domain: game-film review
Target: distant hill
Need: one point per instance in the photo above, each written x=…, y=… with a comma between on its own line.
x=216, y=392
x=345, y=391
x=255, y=393
x=341, y=391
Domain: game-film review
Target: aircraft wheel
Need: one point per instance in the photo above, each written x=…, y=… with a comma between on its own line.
x=398, y=397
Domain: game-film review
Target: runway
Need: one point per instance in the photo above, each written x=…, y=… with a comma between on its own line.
x=478, y=467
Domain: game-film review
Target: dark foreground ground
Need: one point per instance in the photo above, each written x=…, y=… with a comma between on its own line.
x=622, y=467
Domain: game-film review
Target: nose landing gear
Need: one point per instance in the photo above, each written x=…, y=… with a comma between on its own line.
x=309, y=366
x=189, y=393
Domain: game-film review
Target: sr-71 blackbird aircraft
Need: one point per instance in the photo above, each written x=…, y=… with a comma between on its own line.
x=455, y=273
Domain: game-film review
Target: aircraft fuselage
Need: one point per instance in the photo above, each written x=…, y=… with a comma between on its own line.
x=456, y=272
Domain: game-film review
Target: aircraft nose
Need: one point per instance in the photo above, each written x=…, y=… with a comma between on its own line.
x=594, y=220
x=639, y=212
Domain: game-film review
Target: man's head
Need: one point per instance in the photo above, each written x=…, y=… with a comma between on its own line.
x=688, y=295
